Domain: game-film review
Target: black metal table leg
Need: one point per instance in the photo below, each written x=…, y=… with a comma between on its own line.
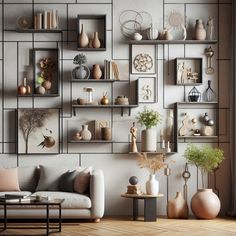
x=47, y=219
x=150, y=209
x=59, y=217
x=5, y=216
x=135, y=208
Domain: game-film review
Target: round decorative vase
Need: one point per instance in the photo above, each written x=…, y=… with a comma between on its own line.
x=96, y=42
x=152, y=185
x=205, y=204
x=104, y=100
x=97, y=72
x=21, y=90
x=149, y=140
x=200, y=32
x=85, y=133
x=152, y=33
x=83, y=38
x=137, y=36
x=81, y=72
x=177, y=207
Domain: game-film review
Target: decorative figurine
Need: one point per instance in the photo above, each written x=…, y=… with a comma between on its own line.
x=210, y=28
x=133, y=145
x=183, y=131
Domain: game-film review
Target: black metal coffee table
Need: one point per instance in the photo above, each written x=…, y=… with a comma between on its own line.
x=48, y=205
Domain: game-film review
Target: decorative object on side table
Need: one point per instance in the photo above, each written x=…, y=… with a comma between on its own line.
x=81, y=71
x=153, y=164
x=133, y=144
x=200, y=32
x=194, y=95
x=177, y=207
x=150, y=119
x=205, y=203
x=134, y=188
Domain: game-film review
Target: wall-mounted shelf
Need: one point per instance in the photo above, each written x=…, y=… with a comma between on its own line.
x=91, y=141
x=156, y=153
x=173, y=42
x=198, y=137
x=39, y=30
x=98, y=81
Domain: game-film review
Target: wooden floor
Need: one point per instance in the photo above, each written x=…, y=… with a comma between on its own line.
x=126, y=227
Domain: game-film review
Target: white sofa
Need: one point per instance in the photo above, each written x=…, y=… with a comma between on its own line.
x=89, y=205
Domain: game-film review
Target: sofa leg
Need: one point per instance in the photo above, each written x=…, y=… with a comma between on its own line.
x=96, y=220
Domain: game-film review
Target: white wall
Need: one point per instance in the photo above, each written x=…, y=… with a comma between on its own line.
x=14, y=57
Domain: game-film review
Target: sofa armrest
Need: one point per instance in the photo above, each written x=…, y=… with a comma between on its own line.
x=97, y=194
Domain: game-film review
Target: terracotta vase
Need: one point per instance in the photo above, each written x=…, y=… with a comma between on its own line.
x=96, y=42
x=85, y=133
x=177, y=207
x=205, y=204
x=97, y=72
x=83, y=38
x=200, y=32
x=152, y=185
x=149, y=140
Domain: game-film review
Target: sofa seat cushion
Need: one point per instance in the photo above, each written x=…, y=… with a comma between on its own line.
x=71, y=200
x=23, y=193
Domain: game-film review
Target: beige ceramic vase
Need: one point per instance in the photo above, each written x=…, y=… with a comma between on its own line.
x=200, y=32
x=83, y=38
x=97, y=72
x=205, y=204
x=96, y=42
x=177, y=207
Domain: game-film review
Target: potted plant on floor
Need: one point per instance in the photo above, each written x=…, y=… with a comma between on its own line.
x=205, y=204
x=150, y=119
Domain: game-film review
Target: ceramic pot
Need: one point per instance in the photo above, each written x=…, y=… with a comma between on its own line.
x=200, y=32
x=205, y=204
x=96, y=42
x=97, y=72
x=106, y=133
x=152, y=185
x=83, y=38
x=81, y=72
x=177, y=207
x=85, y=133
x=104, y=100
x=152, y=33
x=149, y=140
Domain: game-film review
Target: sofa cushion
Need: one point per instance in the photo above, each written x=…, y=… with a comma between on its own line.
x=28, y=178
x=66, y=182
x=9, y=180
x=49, y=177
x=82, y=179
x=71, y=200
x=23, y=193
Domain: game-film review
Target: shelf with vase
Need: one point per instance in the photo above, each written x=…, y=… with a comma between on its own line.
x=99, y=81
x=198, y=137
x=156, y=153
x=91, y=141
x=91, y=31
x=39, y=31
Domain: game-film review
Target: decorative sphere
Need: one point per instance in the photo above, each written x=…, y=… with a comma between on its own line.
x=40, y=90
x=47, y=84
x=210, y=122
x=133, y=180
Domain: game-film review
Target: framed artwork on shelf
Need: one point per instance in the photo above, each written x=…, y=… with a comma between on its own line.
x=38, y=131
x=46, y=72
x=188, y=71
x=147, y=91
x=143, y=59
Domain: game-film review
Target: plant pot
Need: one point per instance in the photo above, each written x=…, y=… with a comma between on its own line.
x=81, y=72
x=152, y=185
x=177, y=207
x=149, y=140
x=205, y=204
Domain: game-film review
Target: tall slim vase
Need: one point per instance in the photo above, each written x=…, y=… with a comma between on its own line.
x=149, y=140
x=83, y=40
x=152, y=185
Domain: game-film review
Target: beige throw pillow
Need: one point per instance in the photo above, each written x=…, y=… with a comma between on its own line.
x=82, y=179
x=9, y=180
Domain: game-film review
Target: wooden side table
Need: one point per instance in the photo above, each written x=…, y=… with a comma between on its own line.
x=150, y=203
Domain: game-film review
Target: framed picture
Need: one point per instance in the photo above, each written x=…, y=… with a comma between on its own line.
x=188, y=71
x=143, y=59
x=147, y=90
x=38, y=131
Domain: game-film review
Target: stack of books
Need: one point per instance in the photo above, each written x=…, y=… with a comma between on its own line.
x=12, y=198
x=111, y=71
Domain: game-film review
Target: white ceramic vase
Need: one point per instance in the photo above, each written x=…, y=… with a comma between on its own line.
x=152, y=185
x=149, y=140
x=200, y=32
x=85, y=133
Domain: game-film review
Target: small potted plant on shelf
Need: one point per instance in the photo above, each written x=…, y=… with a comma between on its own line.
x=150, y=119
x=205, y=203
x=81, y=71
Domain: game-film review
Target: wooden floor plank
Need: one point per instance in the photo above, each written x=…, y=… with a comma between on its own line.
x=127, y=227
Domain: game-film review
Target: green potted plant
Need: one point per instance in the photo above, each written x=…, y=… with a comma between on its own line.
x=205, y=203
x=149, y=119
